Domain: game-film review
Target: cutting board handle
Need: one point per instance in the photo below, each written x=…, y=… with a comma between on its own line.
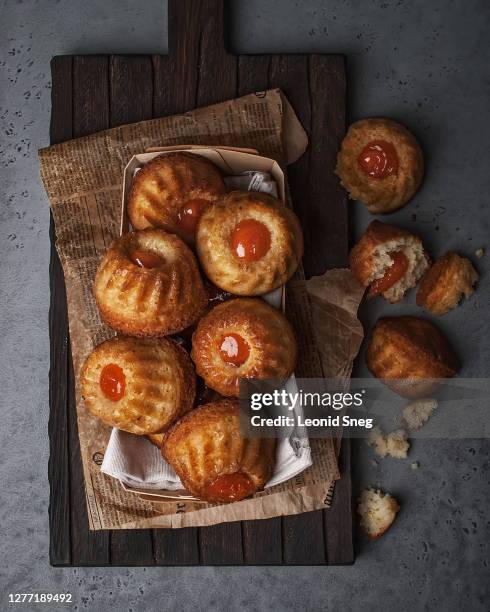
x=189, y=21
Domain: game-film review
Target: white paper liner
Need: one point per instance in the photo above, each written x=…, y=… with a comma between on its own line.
x=138, y=463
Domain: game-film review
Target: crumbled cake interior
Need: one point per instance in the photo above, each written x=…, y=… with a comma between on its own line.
x=394, y=444
x=417, y=413
x=377, y=511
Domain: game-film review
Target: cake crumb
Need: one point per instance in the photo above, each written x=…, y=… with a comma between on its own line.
x=394, y=444
x=415, y=465
x=417, y=413
x=377, y=511
x=479, y=253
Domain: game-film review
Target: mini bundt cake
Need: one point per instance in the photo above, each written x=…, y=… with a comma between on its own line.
x=172, y=190
x=380, y=163
x=212, y=458
x=446, y=282
x=388, y=260
x=410, y=355
x=140, y=385
x=148, y=284
x=249, y=243
x=243, y=338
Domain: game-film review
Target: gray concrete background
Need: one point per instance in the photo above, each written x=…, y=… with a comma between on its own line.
x=424, y=63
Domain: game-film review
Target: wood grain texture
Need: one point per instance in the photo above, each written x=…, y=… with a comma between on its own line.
x=91, y=93
x=164, y=101
x=90, y=114
x=197, y=53
x=338, y=519
x=59, y=464
x=326, y=215
x=131, y=89
x=221, y=544
x=262, y=542
x=176, y=546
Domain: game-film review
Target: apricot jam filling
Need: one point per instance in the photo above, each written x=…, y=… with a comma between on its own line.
x=231, y=487
x=392, y=275
x=250, y=240
x=378, y=159
x=234, y=349
x=146, y=259
x=112, y=382
x=189, y=215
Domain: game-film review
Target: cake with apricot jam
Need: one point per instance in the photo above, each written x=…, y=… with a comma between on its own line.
x=212, y=458
x=249, y=243
x=149, y=284
x=139, y=385
x=388, y=260
x=171, y=191
x=410, y=355
x=380, y=163
x=243, y=338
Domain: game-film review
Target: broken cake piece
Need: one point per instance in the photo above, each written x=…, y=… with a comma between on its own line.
x=394, y=444
x=377, y=511
x=417, y=413
x=445, y=283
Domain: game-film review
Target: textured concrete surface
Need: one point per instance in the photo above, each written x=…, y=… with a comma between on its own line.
x=425, y=63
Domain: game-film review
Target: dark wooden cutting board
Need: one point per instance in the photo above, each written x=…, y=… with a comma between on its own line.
x=95, y=92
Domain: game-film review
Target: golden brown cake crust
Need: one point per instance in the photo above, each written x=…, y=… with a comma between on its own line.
x=149, y=301
x=156, y=439
x=207, y=443
x=410, y=349
x=380, y=195
x=361, y=257
x=446, y=281
x=224, y=269
x=159, y=383
x=168, y=182
x=273, y=349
